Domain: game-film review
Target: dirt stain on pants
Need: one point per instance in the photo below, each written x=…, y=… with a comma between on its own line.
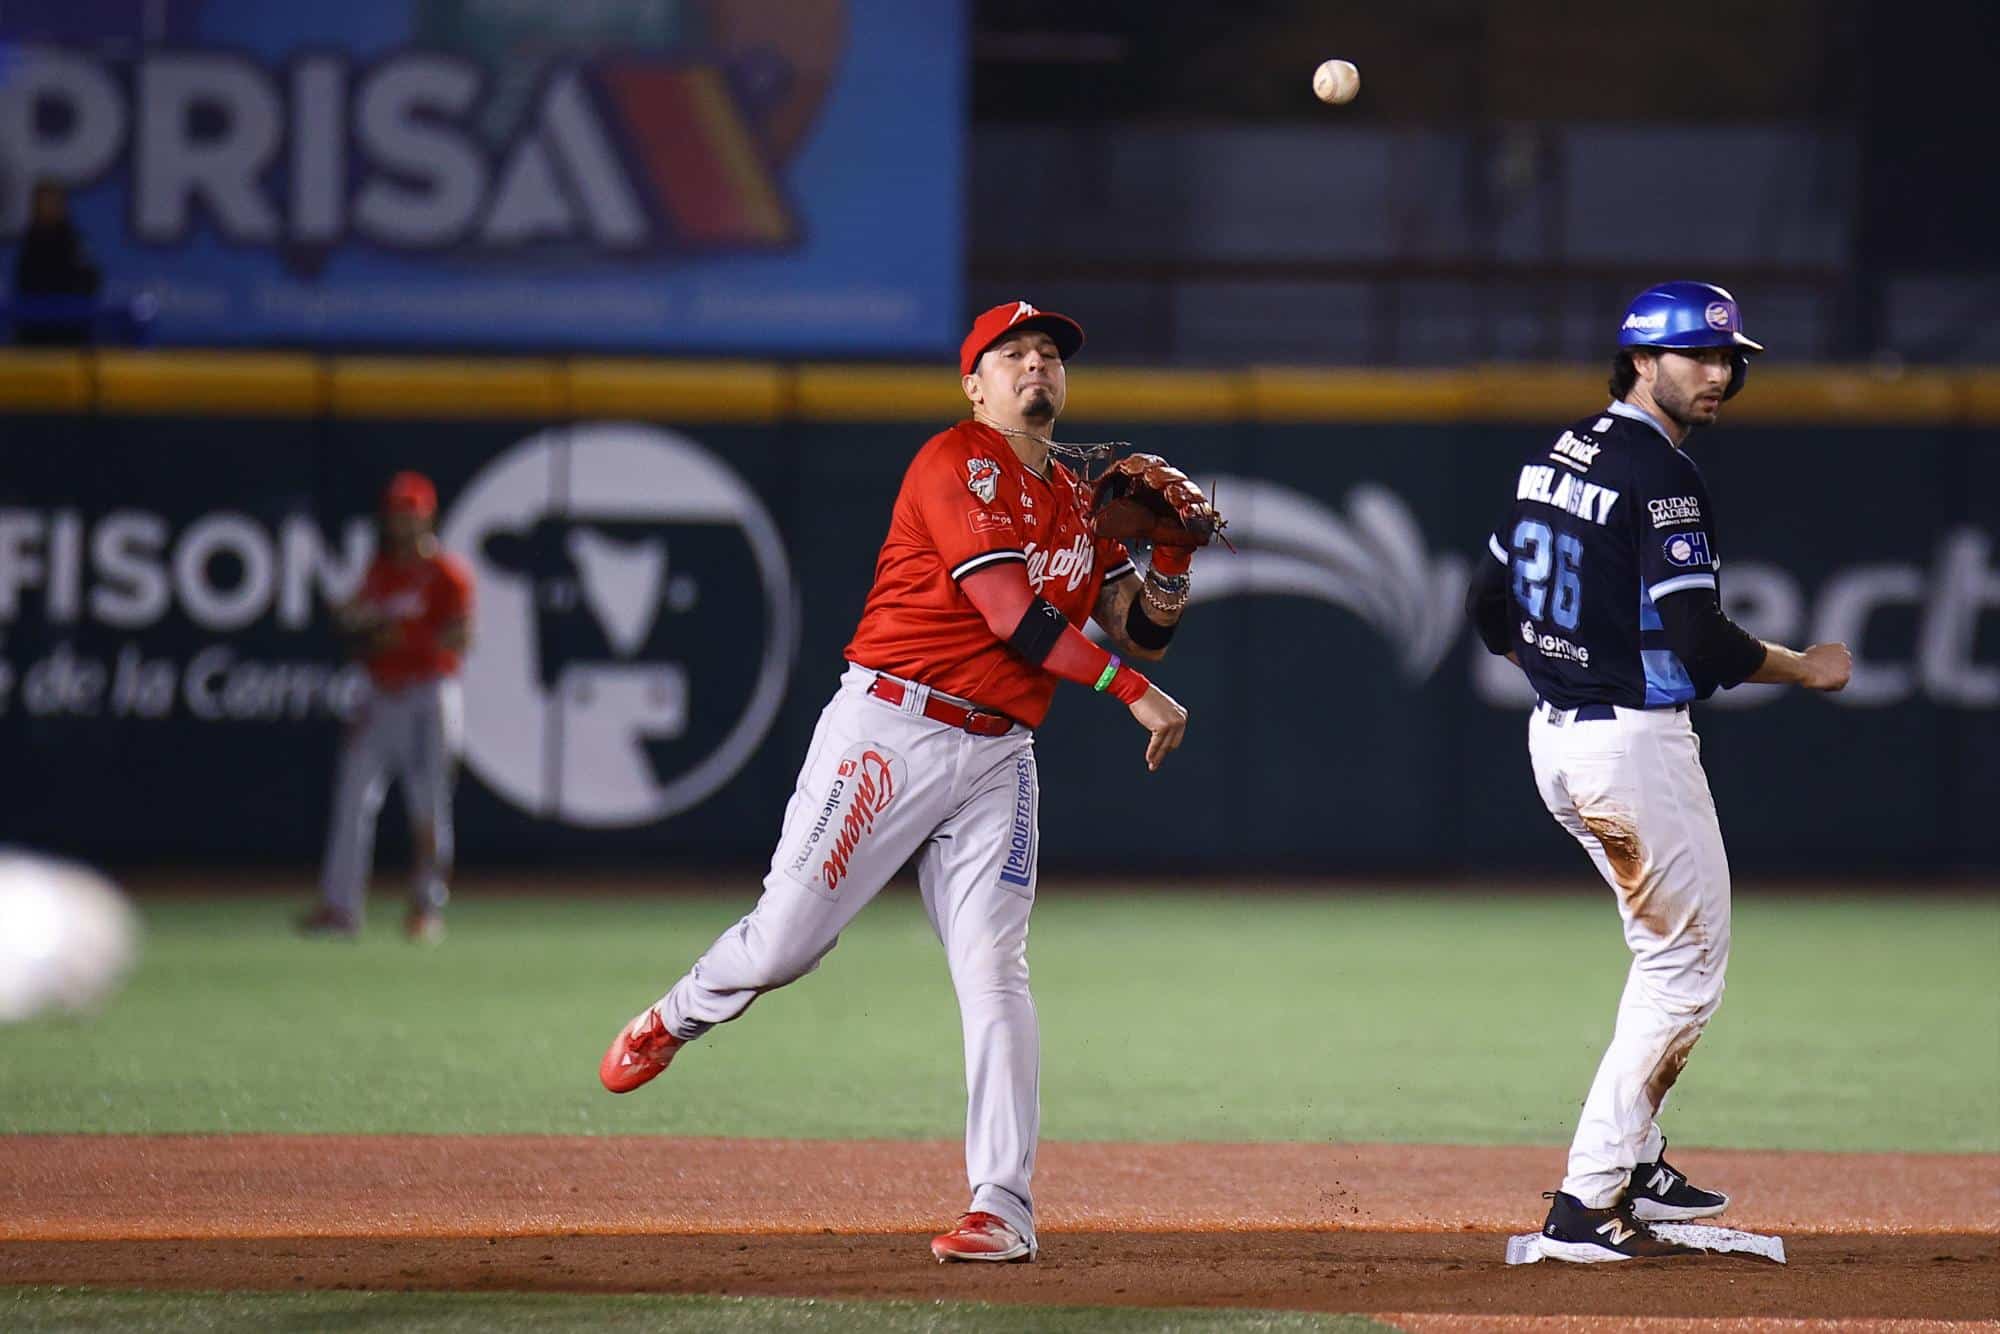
x=1668, y=1072
x=1619, y=838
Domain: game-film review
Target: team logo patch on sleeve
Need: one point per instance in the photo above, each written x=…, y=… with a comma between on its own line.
x=1687, y=549
x=982, y=476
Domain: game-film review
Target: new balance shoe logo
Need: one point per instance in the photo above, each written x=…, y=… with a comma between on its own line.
x=1616, y=1230
x=1663, y=1181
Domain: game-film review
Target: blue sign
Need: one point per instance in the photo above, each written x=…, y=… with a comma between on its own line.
x=733, y=175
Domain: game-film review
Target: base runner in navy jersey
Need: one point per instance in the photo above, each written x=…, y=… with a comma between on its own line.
x=1601, y=583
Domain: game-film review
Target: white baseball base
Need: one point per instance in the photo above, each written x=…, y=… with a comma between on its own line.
x=1526, y=1249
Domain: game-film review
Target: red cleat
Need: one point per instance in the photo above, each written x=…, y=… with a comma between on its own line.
x=329, y=921
x=983, y=1237
x=642, y=1051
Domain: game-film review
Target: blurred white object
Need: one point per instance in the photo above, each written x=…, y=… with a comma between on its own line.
x=67, y=937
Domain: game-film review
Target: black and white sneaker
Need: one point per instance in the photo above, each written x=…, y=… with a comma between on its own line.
x=1661, y=1193
x=1594, y=1236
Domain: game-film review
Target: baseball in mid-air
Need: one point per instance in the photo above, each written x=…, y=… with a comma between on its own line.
x=67, y=937
x=1336, y=81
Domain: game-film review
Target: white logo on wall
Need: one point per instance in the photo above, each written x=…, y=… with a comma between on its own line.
x=380, y=150
x=1373, y=561
x=610, y=682
x=68, y=576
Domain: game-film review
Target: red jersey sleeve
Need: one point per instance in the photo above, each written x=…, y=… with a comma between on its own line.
x=961, y=497
x=454, y=589
x=1114, y=560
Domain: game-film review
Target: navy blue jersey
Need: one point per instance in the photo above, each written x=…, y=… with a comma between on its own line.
x=1606, y=520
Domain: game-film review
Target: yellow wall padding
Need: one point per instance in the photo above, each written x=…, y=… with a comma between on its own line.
x=684, y=391
x=658, y=389
x=437, y=387
x=44, y=381
x=208, y=384
x=877, y=393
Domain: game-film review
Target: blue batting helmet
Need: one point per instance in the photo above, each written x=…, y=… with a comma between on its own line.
x=1689, y=315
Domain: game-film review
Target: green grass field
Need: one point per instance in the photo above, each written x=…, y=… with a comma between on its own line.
x=86, y=1311
x=1851, y=1023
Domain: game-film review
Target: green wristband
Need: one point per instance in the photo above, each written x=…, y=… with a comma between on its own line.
x=1110, y=670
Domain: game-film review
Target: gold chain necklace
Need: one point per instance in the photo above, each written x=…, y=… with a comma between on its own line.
x=1083, y=457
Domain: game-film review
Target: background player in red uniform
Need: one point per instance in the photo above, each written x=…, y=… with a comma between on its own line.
x=927, y=750
x=410, y=623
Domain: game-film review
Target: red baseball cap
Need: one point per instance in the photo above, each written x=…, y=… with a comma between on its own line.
x=410, y=493
x=989, y=328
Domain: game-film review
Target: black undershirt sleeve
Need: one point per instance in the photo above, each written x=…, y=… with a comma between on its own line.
x=1711, y=646
x=1143, y=630
x=1486, y=605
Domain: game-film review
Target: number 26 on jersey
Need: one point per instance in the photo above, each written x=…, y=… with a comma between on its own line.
x=1543, y=557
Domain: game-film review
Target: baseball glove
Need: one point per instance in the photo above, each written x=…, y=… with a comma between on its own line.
x=1143, y=497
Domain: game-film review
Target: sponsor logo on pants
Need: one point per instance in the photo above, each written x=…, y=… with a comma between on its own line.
x=1019, y=868
x=865, y=782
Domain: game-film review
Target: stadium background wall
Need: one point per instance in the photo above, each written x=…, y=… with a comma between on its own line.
x=173, y=524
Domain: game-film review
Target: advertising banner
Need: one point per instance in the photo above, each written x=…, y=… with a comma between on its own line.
x=661, y=613
x=739, y=175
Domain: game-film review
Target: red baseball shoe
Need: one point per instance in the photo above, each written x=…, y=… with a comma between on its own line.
x=983, y=1237
x=643, y=1050
x=329, y=921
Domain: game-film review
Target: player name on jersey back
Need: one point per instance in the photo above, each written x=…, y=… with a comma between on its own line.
x=1586, y=500
x=1606, y=519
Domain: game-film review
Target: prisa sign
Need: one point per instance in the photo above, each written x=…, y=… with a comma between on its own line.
x=616, y=156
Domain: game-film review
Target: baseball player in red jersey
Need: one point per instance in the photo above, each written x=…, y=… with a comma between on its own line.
x=927, y=750
x=410, y=624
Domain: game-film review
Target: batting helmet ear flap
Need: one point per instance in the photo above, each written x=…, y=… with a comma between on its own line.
x=1739, y=371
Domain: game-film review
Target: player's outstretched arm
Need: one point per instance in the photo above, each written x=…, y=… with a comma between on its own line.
x=1820, y=667
x=1715, y=648
x=1039, y=632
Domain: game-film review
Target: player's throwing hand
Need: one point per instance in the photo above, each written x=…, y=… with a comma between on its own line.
x=1161, y=714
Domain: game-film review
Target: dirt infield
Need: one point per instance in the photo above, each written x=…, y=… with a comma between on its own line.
x=1410, y=1230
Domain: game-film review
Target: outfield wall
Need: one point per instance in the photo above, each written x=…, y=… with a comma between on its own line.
x=672, y=555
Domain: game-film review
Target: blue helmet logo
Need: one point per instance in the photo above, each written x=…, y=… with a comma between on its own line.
x=1689, y=315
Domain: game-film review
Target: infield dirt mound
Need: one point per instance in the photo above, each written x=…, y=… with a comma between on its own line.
x=1383, y=1228
x=1939, y=1277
